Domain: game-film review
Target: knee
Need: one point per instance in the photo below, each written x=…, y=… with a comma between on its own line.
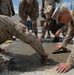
x=29, y=39
x=24, y=22
x=52, y=23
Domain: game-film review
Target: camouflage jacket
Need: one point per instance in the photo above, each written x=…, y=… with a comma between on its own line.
x=70, y=59
x=24, y=8
x=69, y=36
x=6, y=7
x=70, y=32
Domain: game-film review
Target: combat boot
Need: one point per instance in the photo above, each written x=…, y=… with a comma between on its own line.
x=56, y=39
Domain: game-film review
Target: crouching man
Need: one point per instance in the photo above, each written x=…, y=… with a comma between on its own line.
x=8, y=28
x=65, y=17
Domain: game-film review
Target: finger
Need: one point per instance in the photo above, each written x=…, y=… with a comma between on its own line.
x=62, y=70
x=56, y=48
x=59, y=69
x=65, y=70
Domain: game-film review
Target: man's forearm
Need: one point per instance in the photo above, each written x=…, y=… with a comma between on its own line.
x=70, y=59
x=69, y=36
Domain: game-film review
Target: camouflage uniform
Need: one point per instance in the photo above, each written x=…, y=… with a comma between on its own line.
x=8, y=28
x=31, y=10
x=47, y=16
x=69, y=36
x=48, y=2
x=70, y=33
x=7, y=8
x=70, y=59
x=54, y=25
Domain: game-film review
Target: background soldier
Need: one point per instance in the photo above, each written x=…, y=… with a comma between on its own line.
x=48, y=7
x=66, y=17
x=46, y=14
x=51, y=24
x=29, y=8
x=7, y=8
x=8, y=28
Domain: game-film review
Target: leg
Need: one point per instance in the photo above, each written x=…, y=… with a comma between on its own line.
x=34, y=23
x=48, y=33
x=34, y=27
x=24, y=19
x=54, y=28
x=44, y=28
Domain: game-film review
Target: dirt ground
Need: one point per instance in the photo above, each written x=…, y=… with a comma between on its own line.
x=23, y=58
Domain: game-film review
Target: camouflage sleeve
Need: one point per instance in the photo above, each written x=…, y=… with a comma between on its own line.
x=36, y=9
x=21, y=8
x=70, y=59
x=64, y=28
x=32, y=40
x=69, y=35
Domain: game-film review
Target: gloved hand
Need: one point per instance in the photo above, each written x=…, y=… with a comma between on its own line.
x=13, y=12
x=42, y=14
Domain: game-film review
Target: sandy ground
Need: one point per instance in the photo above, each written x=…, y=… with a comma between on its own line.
x=23, y=60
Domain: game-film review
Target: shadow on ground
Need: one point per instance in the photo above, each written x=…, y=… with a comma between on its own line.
x=24, y=63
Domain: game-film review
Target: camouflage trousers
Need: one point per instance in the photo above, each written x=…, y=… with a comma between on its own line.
x=33, y=18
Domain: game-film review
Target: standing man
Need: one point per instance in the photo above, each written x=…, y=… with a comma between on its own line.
x=29, y=8
x=65, y=17
x=7, y=8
